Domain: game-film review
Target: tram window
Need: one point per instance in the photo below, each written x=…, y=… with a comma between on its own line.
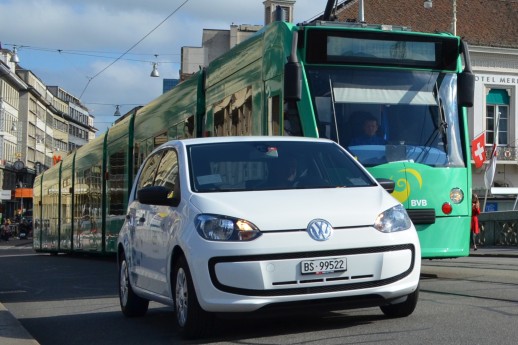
x=291, y=120
x=219, y=120
x=138, y=157
x=116, y=167
x=171, y=133
x=274, y=114
x=233, y=115
x=160, y=139
x=189, y=127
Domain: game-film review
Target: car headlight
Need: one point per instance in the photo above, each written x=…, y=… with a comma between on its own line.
x=222, y=228
x=392, y=220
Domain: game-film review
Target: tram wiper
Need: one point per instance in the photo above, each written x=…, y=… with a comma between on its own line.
x=334, y=110
x=440, y=128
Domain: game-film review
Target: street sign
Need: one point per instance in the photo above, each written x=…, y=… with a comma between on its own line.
x=5, y=194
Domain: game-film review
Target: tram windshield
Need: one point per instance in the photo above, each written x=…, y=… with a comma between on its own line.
x=387, y=116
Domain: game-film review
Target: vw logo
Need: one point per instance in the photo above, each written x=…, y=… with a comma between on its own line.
x=319, y=230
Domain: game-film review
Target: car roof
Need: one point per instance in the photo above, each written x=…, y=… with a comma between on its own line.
x=237, y=139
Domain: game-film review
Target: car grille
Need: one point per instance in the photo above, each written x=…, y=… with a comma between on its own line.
x=350, y=285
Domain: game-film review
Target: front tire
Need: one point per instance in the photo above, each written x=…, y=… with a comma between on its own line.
x=131, y=304
x=192, y=320
x=403, y=309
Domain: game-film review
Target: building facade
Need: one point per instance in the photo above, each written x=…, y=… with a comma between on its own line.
x=39, y=126
x=216, y=42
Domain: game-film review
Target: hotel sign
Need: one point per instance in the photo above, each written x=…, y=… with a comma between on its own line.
x=497, y=79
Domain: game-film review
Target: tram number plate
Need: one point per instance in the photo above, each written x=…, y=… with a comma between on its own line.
x=323, y=266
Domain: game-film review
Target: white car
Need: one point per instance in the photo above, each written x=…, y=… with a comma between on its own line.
x=242, y=224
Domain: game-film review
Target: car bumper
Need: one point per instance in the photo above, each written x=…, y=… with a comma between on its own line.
x=240, y=277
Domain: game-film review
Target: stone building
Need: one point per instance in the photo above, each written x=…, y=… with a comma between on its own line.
x=216, y=42
x=39, y=125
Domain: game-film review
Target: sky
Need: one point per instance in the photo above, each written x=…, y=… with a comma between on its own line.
x=76, y=44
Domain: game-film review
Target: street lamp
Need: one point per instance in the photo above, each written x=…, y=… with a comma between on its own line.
x=14, y=57
x=429, y=4
x=154, y=72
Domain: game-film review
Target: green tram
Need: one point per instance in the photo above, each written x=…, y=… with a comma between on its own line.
x=322, y=79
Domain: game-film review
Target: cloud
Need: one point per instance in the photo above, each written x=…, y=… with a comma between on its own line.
x=68, y=42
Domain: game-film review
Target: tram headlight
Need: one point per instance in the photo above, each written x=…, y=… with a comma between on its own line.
x=456, y=195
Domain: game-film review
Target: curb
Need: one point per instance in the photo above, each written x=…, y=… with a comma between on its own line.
x=502, y=252
x=11, y=330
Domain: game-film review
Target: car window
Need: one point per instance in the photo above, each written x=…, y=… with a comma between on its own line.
x=167, y=170
x=149, y=171
x=246, y=166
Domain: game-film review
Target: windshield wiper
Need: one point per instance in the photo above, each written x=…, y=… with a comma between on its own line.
x=440, y=128
x=334, y=110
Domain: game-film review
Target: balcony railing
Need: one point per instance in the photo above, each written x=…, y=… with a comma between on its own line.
x=504, y=153
x=498, y=229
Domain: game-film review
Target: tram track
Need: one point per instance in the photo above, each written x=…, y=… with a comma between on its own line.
x=485, y=298
x=485, y=279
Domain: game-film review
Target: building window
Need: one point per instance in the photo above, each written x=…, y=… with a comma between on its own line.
x=497, y=107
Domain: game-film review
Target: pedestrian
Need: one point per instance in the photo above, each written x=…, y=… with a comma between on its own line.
x=4, y=228
x=475, y=211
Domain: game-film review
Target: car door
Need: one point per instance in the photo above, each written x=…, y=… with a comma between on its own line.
x=140, y=219
x=163, y=219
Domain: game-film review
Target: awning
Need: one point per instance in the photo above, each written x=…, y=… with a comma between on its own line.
x=23, y=193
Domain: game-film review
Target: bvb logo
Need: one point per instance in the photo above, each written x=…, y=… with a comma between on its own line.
x=404, y=187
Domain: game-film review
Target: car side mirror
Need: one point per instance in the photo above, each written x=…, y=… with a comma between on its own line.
x=387, y=184
x=157, y=195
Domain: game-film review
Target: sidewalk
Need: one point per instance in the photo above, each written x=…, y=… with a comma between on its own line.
x=11, y=330
x=495, y=251
x=16, y=243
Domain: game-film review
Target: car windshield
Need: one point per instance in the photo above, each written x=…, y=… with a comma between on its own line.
x=272, y=165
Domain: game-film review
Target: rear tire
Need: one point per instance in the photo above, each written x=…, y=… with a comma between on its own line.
x=192, y=320
x=403, y=309
x=131, y=304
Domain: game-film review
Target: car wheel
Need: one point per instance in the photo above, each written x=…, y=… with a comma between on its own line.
x=131, y=304
x=402, y=309
x=192, y=320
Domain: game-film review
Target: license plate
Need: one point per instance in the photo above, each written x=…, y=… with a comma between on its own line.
x=323, y=266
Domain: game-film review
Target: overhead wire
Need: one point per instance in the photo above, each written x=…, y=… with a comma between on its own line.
x=133, y=46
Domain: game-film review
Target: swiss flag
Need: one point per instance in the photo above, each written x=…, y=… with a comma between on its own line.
x=478, y=150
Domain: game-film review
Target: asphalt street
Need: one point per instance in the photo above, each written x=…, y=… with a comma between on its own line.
x=13, y=333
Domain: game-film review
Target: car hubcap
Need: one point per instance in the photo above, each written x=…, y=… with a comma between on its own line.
x=181, y=297
x=124, y=283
